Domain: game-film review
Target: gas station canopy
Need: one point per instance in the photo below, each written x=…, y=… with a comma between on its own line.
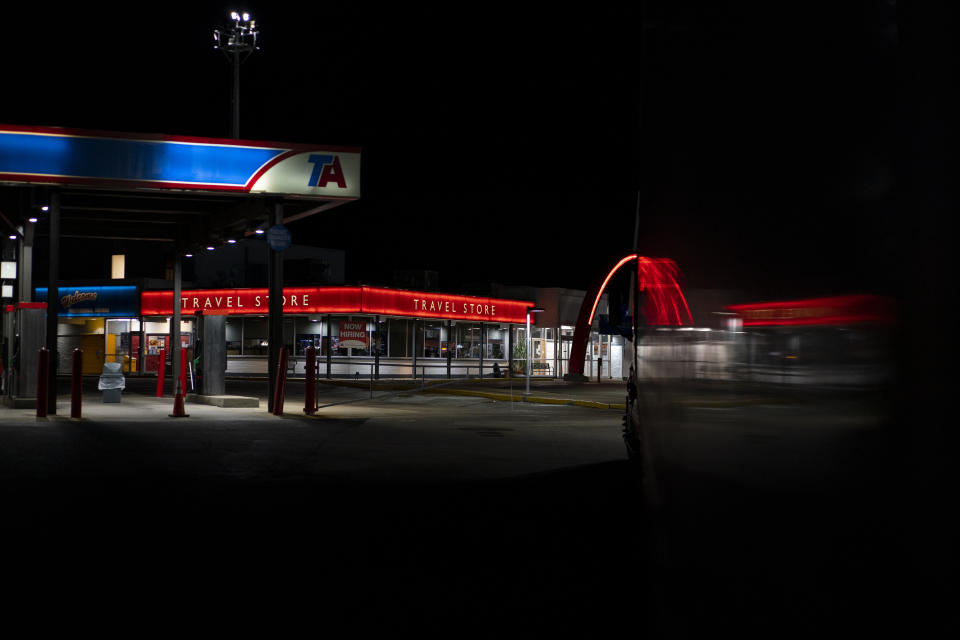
x=138, y=186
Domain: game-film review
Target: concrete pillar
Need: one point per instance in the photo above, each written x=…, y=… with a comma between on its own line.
x=25, y=265
x=414, y=341
x=483, y=345
x=30, y=327
x=213, y=362
x=329, y=346
x=510, y=351
x=53, y=301
x=376, y=346
x=177, y=353
x=275, y=314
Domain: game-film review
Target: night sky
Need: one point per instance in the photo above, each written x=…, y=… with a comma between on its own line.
x=510, y=145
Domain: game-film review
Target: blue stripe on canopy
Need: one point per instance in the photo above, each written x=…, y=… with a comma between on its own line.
x=120, y=159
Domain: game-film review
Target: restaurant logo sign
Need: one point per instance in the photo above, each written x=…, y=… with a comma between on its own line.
x=119, y=301
x=71, y=299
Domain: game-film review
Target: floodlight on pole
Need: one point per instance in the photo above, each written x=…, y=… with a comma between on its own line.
x=241, y=38
x=530, y=345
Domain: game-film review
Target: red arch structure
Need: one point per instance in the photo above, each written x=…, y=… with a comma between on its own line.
x=663, y=302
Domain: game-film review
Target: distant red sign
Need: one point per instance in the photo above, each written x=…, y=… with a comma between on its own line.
x=838, y=310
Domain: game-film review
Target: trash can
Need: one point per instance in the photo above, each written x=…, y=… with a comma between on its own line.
x=112, y=381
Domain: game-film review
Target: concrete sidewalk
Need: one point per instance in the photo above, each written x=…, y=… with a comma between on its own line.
x=248, y=396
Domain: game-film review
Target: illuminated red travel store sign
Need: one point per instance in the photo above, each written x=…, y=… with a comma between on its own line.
x=252, y=301
x=394, y=302
x=322, y=300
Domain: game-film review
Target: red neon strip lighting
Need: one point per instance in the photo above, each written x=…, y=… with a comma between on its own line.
x=319, y=300
x=663, y=290
x=252, y=301
x=596, y=301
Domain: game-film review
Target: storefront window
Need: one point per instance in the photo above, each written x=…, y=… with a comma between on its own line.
x=431, y=339
x=333, y=340
x=156, y=336
x=468, y=340
x=309, y=331
x=380, y=338
x=496, y=342
x=446, y=345
x=234, y=336
x=349, y=336
x=254, y=336
x=519, y=349
x=289, y=329
x=539, y=344
x=123, y=343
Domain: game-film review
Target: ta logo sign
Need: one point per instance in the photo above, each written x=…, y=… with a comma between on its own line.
x=326, y=169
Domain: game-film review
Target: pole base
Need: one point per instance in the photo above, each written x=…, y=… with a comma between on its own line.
x=575, y=377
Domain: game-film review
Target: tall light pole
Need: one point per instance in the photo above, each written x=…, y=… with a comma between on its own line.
x=240, y=39
x=530, y=344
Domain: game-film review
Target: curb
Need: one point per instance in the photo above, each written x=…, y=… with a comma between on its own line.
x=522, y=398
x=490, y=395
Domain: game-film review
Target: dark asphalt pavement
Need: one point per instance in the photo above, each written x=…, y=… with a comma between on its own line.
x=134, y=523
x=766, y=514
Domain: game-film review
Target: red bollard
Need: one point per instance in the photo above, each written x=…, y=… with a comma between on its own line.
x=161, y=370
x=309, y=397
x=76, y=382
x=280, y=391
x=43, y=368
